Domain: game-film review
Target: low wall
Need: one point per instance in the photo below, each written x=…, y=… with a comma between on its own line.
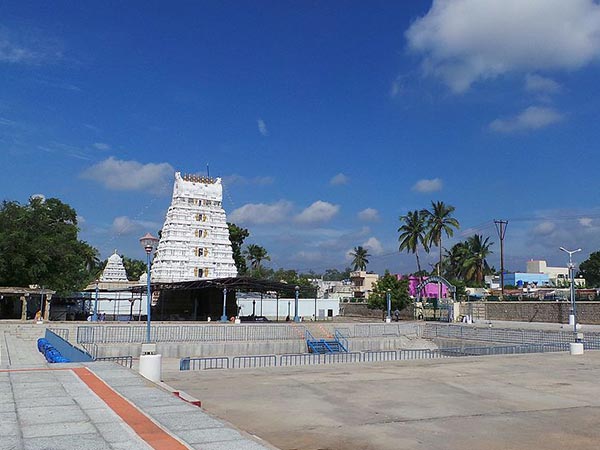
x=362, y=310
x=533, y=311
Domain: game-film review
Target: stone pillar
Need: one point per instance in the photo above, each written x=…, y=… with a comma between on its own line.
x=47, y=307
x=23, y=307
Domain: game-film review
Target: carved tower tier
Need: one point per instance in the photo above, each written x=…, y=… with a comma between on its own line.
x=194, y=241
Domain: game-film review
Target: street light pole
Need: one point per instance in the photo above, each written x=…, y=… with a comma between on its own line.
x=388, y=296
x=95, y=316
x=224, y=316
x=296, y=317
x=148, y=242
x=572, y=278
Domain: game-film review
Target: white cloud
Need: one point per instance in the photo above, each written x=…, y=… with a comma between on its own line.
x=122, y=175
x=425, y=185
x=101, y=146
x=373, y=245
x=261, y=213
x=465, y=41
x=125, y=225
x=369, y=215
x=28, y=47
x=318, y=212
x=262, y=127
x=532, y=118
x=242, y=180
x=339, y=179
x=544, y=228
x=541, y=85
x=585, y=222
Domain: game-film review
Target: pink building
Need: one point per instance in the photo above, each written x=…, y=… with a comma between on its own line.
x=430, y=291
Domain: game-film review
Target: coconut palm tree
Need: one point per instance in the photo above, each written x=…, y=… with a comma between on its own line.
x=255, y=254
x=439, y=221
x=454, y=260
x=475, y=265
x=413, y=234
x=359, y=258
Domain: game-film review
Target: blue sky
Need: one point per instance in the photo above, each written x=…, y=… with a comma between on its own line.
x=326, y=120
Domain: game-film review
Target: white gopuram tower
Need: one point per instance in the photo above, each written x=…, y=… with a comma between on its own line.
x=114, y=270
x=194, y=242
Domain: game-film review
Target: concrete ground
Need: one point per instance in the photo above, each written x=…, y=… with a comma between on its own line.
x=535, y=401
x=97, y=406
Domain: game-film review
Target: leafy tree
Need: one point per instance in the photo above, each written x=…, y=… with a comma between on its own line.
x=237, y=235
x=134, y=268
x=454, y=261
x=39, y=245
x=590, y=270
x=412, y=234
x=398, y=293
x=336, y=275
x=359, y=258
x=255, y=254
x=475, y=264
x=467, y=261
x=439, y=222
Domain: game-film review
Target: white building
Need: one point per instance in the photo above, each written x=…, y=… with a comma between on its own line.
x=194, y=241
x=115, y=300
x=279, y=308
x=559, y=276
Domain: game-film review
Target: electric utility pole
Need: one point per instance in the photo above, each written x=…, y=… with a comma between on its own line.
x=501, y=229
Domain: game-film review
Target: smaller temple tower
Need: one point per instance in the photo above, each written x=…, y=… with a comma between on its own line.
x=194, y=241
x=114, y=270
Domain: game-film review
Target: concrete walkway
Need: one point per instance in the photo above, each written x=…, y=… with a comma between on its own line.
x=98, y=406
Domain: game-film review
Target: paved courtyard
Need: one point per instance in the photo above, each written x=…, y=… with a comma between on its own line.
x=536, y=401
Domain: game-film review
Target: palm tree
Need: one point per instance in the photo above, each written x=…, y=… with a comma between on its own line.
x=454, y=261
x=439, y=221
x=475, y=264
x=412, y=234
x=360, y=256
x=255, y=254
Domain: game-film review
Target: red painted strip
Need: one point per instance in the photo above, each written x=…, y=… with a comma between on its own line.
x=155, y=436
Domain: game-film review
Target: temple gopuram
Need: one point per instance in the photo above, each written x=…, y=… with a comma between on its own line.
x=194, y=242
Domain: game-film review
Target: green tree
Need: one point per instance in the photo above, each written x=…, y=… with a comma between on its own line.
x=134, y=268
x=255, y=254
x=453, y=267
x=590, y=270
x=360, y=258
x=237, y=235
x=398, y=293
x=336, y=275
x=439, y=222
x=39, y=245
x=413, y=233
x=475, y=265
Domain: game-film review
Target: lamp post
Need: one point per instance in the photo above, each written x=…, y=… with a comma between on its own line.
x=296, y=291
x=149, y=243
x=224, y=316
x=573, y=316
x=95, y=315
x=388, y=297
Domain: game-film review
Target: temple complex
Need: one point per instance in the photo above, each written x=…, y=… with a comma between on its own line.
x=194, y=242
